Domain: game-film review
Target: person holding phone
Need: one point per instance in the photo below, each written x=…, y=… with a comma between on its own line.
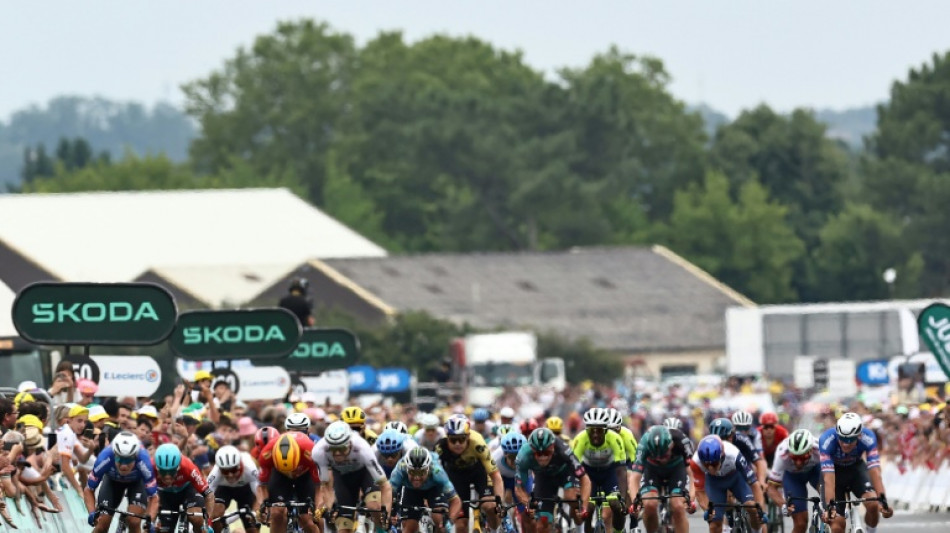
x=63, y=389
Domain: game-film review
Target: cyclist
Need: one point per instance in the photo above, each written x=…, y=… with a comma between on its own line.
x=602, y=454
x=726, y=431
x=420, y=481
x=431, y=432
x=390, y=447
x=481, y=422
x=556, y=425
x=797, y=464
x=500, y=431
x=555, y=468
x=397, y=426
x=615, y=424
x=356, y=418
x=844, y=450
x=357, y=475
x=772, y=434
x=673, y=423
x=465, y=457
x=288, y=474
x=262, y=438
x=506, y=457
x=181, y=484
x=233, y=478
x=661, y=462
x=742, y=420
x=125, y=470
x=718, y=467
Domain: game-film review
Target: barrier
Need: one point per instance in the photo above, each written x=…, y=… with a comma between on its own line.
x=918, y=489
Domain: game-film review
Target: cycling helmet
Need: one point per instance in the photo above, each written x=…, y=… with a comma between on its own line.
x=506, y=412
x=419, y=459
x=596, y=417
x=168, y=458
x=742, y=420
x=299, y=284
x=480, y=415
x=354, y=415
x=768, y=418
x=800, y=442
x=430, y=421
x=503, y=429
x=286, y=454
x=390, y=442
x=659, y=439
x=541, y=439
x=722, y=427
x=615, y=420
x=227, y=457
x=125, y=444
x=711, y=449
x=338, y=434
x=512, y=442
x=264, y=435
x=297, y=422
x=555, y=424
x=849, y=426
x=456, y=426
x=396, y=426
x=529, y=425
x=673, y=423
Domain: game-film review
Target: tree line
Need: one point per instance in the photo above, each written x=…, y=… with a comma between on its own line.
x=451, y=144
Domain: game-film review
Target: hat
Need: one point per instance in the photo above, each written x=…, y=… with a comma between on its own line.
x=78, y=410
x=25, y=386
x=87, y=386
x=239, y=404
x=149, y=411
x=202, y=374
x=246, y=426
x=190, y=418
x=97, y=413
x=299, y=407
x=901, y=410
x=33, y=437
x=315, y=413
x=23, y=397
x=30, y=421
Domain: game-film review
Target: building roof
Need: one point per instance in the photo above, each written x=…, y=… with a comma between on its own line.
x=221, y=286
x=6, y=311
x=115, y=236
x=633, y=299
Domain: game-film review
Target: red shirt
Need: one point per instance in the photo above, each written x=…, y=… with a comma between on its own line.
x=266, y=459
x=780, y=434
x=187, y=474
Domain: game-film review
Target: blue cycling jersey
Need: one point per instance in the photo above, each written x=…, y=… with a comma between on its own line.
x=832, y=454
x=106, y=467
x=437, y=478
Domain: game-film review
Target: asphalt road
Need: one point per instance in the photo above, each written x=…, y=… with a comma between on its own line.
x=902, y=521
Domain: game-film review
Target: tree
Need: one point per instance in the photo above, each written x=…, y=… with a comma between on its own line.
x=745, y=243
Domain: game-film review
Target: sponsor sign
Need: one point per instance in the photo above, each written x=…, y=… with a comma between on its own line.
x=329, y=386
x=262, y=383
x=873, y=372
x=119, y=375
x=322, y=349
x=235, y=334
x=934, y=326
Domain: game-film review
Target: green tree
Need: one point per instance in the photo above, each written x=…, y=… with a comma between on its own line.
x=746, y=243
x=582, y=360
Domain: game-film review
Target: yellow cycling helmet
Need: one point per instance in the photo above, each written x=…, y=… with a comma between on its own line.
x=286, y=454
x=354, y=415
x=555, y=424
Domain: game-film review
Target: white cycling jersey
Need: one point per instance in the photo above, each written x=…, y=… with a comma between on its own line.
x=361, y=455
x=248, y=475
x=783, y=461
x=499, y=456
x=733, y=462
x=421, y=440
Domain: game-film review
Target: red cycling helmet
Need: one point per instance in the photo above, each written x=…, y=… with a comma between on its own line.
x=768, y=419
x=529, y=425
x=265, y=435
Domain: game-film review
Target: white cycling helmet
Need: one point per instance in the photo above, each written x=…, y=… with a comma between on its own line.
x=849, y=425
x=800, y=442
x=338, y=433
x=673, y=423
x=228, y=457
x=506, y=412
x=297, y=422
x=741, y=419
x=596, y=417
x=615, y=420
x=397, y=426
x=125, y=444
x=430, y=421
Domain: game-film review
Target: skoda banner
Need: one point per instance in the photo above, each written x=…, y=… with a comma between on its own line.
x=321, y=349
x=127, y=314
x=241, y=334
x=127, y=375
x=262, y=383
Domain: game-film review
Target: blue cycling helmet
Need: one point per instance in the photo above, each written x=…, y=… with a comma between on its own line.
x=168, y=457
x=711, y=449
x=390, y=442
x=480, y=415
x=722, y=427
x=512, y=442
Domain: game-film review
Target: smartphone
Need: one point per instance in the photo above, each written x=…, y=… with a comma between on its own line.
x=50, y=441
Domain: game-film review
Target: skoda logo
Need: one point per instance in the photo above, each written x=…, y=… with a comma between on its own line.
x=151, y=376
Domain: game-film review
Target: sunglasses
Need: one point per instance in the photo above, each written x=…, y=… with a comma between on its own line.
x=339, y=449
x=544, y=453
x=847, y=440
x=125, y=460
x=511, y=455
x=391, y=455
x=714, y=464
x=418, y=472
x=167, y=472
x=769, y=426
x=231, y=471
x=801, y=458
x=358, y=429
x=458, y=440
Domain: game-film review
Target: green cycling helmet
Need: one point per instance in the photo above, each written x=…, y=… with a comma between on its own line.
x=541, y=439
x=659, y=439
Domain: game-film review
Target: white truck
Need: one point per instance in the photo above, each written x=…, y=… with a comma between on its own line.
x=492, y=361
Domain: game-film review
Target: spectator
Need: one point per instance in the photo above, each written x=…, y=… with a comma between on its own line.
x=298, y=302
x=8, y=415
x=87, y=391
x=64, y=384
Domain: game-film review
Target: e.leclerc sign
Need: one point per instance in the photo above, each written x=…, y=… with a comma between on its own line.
x=238, y=334
x=132, y=314
x=321, y=349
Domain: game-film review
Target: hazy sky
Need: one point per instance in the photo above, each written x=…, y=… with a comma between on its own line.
x=730, y=54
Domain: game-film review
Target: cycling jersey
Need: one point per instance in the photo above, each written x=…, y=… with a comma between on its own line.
x=266, y=458
x=359, y=457
x=610, y=452
x=106, y=468
x=783, y=462
x=562, y=462
x=422, y=440
x=629, y=443
x=754, y=436
x=832, y=455
x=733, y=463
x=188, y=475
x=437, y=478
x=476, y=451
x=746, y=447
x=647, y=456
x=249, y=476
x=769, y=449
x=507, y=472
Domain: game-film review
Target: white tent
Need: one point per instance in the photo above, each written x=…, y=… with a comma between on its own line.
x=6, y=311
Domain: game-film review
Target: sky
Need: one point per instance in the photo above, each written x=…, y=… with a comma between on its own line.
x=730, y=54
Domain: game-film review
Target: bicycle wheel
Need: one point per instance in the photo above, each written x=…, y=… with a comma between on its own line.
x=120, y=527
x=776, y=524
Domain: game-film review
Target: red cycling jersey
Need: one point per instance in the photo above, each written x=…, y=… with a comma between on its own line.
x=187, y=474
x=769, y=447
x=266, y=458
